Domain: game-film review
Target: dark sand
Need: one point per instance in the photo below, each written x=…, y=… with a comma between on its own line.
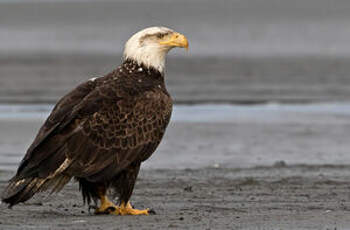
x=287, y=171
x=279, y=197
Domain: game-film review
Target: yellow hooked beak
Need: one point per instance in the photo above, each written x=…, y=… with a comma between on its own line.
x=177, y=39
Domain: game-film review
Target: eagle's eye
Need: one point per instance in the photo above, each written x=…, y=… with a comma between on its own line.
x=160, y=35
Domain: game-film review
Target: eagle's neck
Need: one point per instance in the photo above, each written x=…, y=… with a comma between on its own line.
x=132, y=67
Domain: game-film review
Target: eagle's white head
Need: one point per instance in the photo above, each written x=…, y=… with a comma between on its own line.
x=150, y=46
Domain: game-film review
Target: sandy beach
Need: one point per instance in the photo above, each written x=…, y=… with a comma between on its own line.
x=287, y=169
x=279, y=197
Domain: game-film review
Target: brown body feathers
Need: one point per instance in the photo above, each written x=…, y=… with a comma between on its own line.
x=99, y=133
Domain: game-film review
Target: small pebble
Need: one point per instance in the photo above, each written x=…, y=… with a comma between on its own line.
x=280, y=164
x=188, y=189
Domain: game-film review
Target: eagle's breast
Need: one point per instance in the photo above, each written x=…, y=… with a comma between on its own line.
x=134, y=113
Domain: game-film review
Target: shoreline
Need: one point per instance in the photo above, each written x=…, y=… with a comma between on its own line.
x=229, y=136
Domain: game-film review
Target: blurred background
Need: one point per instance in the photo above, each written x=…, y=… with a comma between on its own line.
x=269, y=78
x=242, y=51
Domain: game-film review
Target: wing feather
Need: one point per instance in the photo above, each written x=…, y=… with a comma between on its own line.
x=100, y=129
x=61, y=115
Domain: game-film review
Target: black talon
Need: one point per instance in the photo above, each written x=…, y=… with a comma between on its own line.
x=110, y=209
x=152, y=212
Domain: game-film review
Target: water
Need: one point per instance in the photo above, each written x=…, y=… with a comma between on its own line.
x=205, y=112
x=211, y=135
x=214, y=28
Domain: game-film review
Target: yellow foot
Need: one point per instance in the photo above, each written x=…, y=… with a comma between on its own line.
x=106, y=207
x=128, y=210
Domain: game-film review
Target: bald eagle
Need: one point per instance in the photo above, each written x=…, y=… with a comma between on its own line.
x=103, y=130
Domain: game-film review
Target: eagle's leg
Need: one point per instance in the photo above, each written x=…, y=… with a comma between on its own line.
x=106, y=206
x=124, y=184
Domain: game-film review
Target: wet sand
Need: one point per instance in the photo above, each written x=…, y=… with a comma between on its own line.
x=282, y=170
x=228, y=136
x=279, y=197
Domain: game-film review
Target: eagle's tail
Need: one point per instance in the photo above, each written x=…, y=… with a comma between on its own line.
x=22, y=190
